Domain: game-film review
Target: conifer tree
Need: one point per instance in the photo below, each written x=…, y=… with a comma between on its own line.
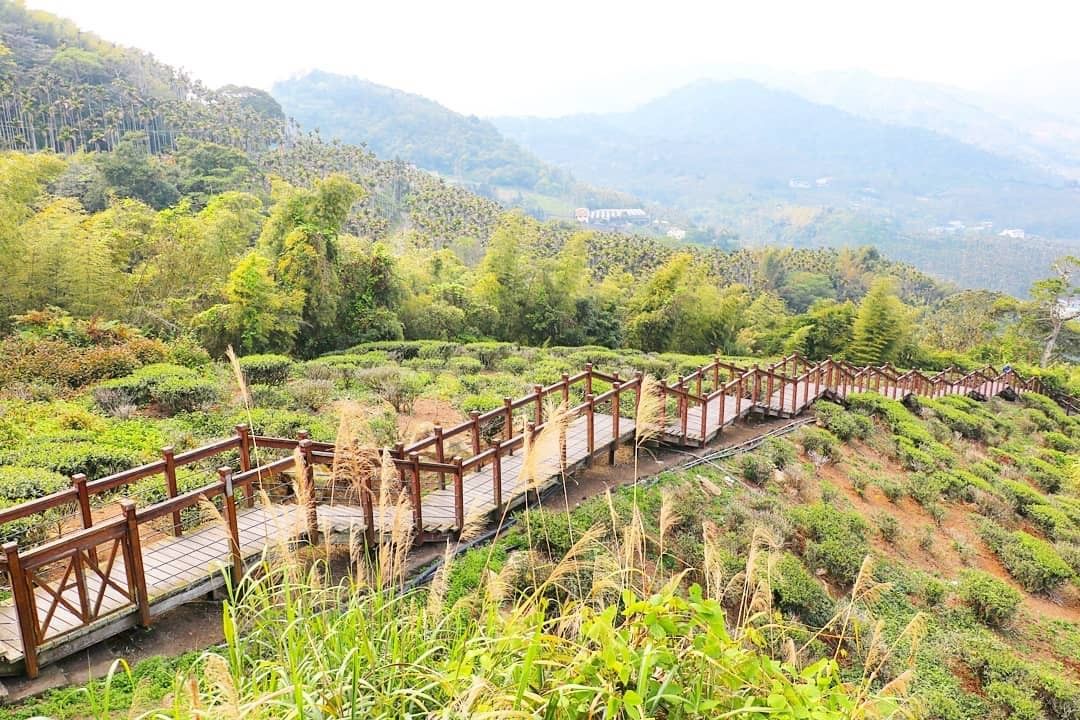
x=880, y=326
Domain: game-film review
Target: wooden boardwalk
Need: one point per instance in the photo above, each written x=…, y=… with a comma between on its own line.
x=92, y=583
x=176, y=568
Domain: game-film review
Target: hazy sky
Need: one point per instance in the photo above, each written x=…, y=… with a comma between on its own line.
x=558, y=56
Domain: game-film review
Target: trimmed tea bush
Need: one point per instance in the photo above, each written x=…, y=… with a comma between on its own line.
x=18, y=484
x=1033, y=562
x=993, y=601
x=821, y=442
x=796, y=591
x=835, y=539
x=68, y=458
x=757, y=469
x=266, y=369
x=1061, y=442
x=465, y=365
x=178, y=394
x=779, y=451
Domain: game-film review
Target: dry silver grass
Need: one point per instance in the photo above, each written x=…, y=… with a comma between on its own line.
x=712, y=565
x=219, y=679
x=394, y=520
x=669, y=516
x=542, y=457
x=440, y=583
x=238, y=374
x=355, y=459
x=647, y=417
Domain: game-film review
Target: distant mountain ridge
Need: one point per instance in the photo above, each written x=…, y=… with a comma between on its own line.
x=738, y=139
x=398, y=124
x=402, y=125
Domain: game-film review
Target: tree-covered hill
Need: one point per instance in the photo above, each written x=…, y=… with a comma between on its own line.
x=400, y=125
x=403, y=126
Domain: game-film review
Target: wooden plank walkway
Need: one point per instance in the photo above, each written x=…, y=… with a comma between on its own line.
x=172, y=565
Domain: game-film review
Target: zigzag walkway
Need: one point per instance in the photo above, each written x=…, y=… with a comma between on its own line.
x=113, y=572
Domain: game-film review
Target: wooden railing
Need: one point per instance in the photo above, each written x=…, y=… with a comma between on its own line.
x=796, y=382
x=77, y=570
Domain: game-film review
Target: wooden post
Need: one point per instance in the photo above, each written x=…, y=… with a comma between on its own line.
x=663, y=406
x=614, y=422
x=738, y=395
x=440, y=456
x=700, y=375
x=25, y=609
x=639, y=379
x=399, y=453
x=590, y=423
x=566, y=388
x=588, y=378
x=168, y=454
x=244, y=433
x=538, y=390
x=508, y=419
x=79, y=481
x=769, y=392
x=414, y=492
x=474, y=417
x=716, y=373
x=367, y=505
x=133, y=562
x=720, y=411
x=496, y=474
x=684, y=409
x=308, y=475
x=459, y=494
x=237, y=569
x=806, y=389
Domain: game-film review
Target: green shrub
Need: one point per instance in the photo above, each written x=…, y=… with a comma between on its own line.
x=926, y=488
x=835, y=539
x=488, y=353
x=268, y=396
x=465, y=365
x=889, y=527
x=1033, y=562
x=69, y=458
x=187, y=352
x=796, y=591
x=311, y=395
x=845, y=425
x=933, y=591
x=176, y=394
x=516, y=365
x=266, y=369
x=18, y=484
x=1061, y=443
x=993, y=601
x=482, y=402
x=779, y=451
x=820, y=442
x=1016, y=701
x=1050, y=409
x=1052, y=521
x=1022, y=494
x=892, y=490
x=961, y=421
x=912, y=457
x=1048, y=477
x=756, y=468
